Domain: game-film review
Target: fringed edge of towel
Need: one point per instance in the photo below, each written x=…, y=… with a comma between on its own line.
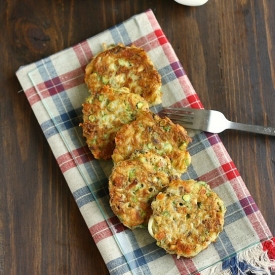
x=259, y=259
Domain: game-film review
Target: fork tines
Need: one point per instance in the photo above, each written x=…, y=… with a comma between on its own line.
x=179, y=115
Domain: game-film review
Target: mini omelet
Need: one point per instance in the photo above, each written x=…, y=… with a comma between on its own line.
x=125, y=66
x=151, y=133
x=134, y=183
x=186, y=217
x=104, y=113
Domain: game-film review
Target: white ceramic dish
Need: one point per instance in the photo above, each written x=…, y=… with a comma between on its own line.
x=191, y=2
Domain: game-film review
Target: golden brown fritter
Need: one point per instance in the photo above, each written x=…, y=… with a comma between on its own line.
x=122, y=66
x=104, y=113
x=149, y=132
x=186, y=218
x=133, y=185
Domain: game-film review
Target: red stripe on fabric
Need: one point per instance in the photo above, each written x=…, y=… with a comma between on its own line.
x=87, y=50
x=32, y=95
x=63, y=82
x=101, y=226
x=230, y=170
x=194, y=101
x=214, y=178
x=147, y=43
x=52, y=88
x=78, y=80
x=150, y=41
x=185, y=266
x=71, y=75
x=99, y=236
x=182, y=103
x=67, y=81
x=141, y=43
x=67, y=165
x=83, y=53
x=69, y=160
x=102, y=230
x=161, y=37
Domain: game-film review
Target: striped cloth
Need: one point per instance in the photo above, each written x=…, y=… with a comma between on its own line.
x=55, y=90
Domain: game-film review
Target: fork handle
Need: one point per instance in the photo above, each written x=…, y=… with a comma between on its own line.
x=252, y=128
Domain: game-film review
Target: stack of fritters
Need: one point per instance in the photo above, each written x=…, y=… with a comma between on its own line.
x=122, y=82
x=149, y=154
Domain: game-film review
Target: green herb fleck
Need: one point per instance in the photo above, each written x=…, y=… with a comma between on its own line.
x=166, y=213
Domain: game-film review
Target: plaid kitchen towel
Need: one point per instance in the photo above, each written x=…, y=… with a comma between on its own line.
x=55, y=89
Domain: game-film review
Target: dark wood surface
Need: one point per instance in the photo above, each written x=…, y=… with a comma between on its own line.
x=227, y=49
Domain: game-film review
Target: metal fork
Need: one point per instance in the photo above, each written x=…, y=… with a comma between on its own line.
x=211, y=121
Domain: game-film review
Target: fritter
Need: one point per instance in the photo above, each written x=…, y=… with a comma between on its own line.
x=134, y=183
x=104, y=113
x=149, y=132
x=125, y=66
x=186, y=217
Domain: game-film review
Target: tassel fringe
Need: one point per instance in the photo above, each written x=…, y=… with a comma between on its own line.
x=256, y=260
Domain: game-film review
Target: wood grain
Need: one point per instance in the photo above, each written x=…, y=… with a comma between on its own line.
x=227, y=50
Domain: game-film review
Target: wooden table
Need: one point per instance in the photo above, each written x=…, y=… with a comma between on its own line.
x=227, y=49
